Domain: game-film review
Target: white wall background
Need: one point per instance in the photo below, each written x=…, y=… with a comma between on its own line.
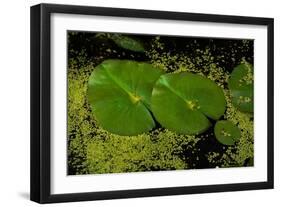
x=14, y=101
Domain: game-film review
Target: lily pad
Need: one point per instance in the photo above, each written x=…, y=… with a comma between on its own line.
x=241, y=87
x=226, y=132
x=183, y=102
x=119, y=92
x=127, y=43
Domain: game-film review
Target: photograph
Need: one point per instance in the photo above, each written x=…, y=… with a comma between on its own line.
x=150, y=102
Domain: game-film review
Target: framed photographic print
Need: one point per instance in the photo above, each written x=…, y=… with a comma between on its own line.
x=133, y=103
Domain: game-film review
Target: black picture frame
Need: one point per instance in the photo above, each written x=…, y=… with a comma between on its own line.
x=41, y=96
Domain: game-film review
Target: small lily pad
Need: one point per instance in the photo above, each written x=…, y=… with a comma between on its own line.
x=127, y=42
x=226, y=132
x=241, y=87
x=119, y=92
x=183, y=102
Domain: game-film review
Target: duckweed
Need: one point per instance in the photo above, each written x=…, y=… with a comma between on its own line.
x=159, y=151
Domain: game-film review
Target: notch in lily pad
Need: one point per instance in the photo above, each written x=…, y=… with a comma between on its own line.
x=119, y=92
x=241, y=87
x=183, y=102
x=226, y=132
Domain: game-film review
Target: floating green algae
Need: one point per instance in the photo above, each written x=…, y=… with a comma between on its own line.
x=91, y=149
x=160, y=150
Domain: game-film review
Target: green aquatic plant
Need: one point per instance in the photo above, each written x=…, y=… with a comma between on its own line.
x=160, y=150
x=226, y=132
x=237, y=154
x=183, y=102
x=80, y=125
x=243, y=150
x=241, y=87
x=122, y=89
x=127, y=42
x=123, y=41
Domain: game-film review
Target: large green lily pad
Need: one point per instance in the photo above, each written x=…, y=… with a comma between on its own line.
x=183, y=102
x=241, y=87
x=119, y=92
x=226, y=132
